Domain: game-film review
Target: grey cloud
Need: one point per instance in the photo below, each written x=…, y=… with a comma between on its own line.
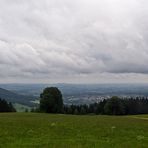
x=66, y=39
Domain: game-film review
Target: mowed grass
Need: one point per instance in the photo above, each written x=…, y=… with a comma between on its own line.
x=29, y=130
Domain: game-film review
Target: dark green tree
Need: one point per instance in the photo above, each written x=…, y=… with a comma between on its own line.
x=6, y=107
x=83, y=110
x=114, y=106
x=76, y=112
x=51, y=100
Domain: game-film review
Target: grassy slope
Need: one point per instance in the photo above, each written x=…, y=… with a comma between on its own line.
x=44, y=130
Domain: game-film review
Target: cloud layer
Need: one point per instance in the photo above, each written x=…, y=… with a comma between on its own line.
x=68, y=41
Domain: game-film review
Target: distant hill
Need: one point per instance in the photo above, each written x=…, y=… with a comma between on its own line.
x=81, y=89
x=16, y=98
x=80, y=93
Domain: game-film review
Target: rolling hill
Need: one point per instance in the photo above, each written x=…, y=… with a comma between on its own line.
x=16, y=98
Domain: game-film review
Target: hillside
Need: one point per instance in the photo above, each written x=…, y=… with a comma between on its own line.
x=16, y=98
x=47, y=130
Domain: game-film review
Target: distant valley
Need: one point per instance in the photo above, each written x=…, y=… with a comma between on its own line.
x=28, y=94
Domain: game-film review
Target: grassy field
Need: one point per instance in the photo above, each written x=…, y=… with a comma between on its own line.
x=31, y=130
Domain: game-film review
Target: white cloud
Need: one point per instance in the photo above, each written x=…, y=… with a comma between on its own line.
x=69, y=41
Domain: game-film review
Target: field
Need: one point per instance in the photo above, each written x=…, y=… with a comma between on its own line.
x=31, y=130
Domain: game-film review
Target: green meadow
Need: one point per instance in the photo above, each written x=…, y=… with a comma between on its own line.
x=35, y=130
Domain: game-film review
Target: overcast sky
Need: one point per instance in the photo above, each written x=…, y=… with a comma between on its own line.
x=73, y=41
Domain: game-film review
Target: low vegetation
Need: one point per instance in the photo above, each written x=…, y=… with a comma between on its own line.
x=64, y=131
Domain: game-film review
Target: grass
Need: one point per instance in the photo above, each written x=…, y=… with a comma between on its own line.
x=29, y=130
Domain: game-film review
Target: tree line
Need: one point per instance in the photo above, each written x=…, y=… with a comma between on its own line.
x=52, y=102
x=112, y=106
x=6, y=107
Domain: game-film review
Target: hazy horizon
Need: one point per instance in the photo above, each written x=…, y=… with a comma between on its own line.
x=74, y=83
